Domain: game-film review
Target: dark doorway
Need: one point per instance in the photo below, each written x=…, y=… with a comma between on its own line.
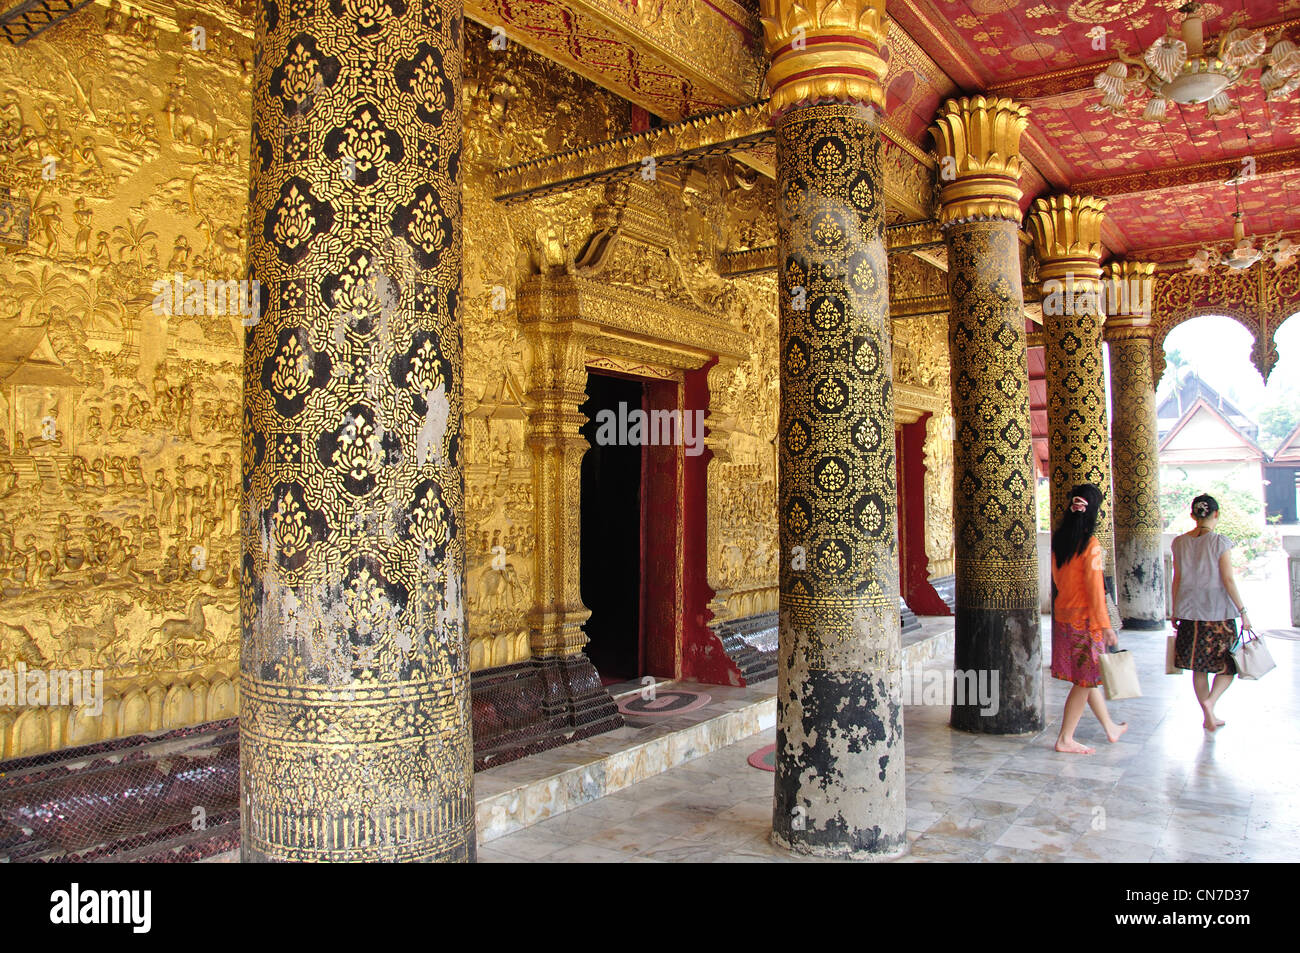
x=611, y=534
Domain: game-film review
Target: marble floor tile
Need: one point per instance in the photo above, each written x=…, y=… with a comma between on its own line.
x=1098, y=847
x=1044, y=838
x=975, y=820
x=1166, y=793
x=1014, y=855
x=584, y=854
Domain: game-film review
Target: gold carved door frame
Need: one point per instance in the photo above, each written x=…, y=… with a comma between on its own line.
x=574, y=323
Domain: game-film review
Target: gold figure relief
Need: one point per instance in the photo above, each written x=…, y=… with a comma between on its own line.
x=123, y=313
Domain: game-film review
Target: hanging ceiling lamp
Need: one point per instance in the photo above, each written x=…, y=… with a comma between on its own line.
x=1244, y=252
x=1177, y=69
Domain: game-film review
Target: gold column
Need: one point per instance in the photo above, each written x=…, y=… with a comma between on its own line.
x=839, y=785
x=559, y=388
x=997, y=616
x=1067, y=236
x=1139, y=546
x=355, y=721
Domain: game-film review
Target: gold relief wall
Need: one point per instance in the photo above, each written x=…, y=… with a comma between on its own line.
x=518, y=105
x=120, y=441
x=744, y=403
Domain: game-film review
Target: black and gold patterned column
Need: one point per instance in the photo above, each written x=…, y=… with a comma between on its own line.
x=839, y=782
x=1139, y=544
x=997, y=613
x=355, y=717
x=1067, y=237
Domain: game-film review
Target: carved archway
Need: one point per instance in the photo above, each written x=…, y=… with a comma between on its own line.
x=1164, y=330
x=1260, y=298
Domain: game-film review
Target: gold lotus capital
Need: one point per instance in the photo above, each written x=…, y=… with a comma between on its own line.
x=1130, y=289
x=824, y=50
x=978, y=141
x=1067, y=235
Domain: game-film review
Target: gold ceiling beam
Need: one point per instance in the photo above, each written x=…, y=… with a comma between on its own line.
x=739, y=132
x=641, y=154
x=1219, y=171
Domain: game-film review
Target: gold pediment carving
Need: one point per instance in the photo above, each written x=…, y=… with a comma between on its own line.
x=627, y=281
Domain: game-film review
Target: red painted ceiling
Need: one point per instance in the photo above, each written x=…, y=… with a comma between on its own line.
x=1043, y=46
x=1003, y=40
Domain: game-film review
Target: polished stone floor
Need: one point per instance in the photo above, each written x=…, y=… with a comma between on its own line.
x=1167, y=792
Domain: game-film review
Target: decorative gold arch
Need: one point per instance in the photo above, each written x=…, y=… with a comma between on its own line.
x=1260, y=299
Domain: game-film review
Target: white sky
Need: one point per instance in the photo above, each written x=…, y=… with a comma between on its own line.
x=1218, y=348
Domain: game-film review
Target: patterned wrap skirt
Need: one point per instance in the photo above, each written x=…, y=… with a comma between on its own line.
x=1075, y=654
x=1206, y=646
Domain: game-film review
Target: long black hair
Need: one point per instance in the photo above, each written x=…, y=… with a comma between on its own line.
x=1078, y=524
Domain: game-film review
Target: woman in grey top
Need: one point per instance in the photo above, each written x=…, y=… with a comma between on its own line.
x=1206, y=604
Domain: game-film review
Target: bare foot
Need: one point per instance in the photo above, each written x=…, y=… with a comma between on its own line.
x=1119, y=730
x=1072, y=747
x=1210, y=723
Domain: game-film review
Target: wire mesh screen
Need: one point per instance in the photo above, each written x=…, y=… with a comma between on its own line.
x=174, y=797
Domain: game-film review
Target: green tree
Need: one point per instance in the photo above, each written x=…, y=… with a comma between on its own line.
x=1241, y=515
x=1279, y=417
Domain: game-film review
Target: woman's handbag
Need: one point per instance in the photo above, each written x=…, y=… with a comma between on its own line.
x=1251, y=656
x=1170, y=667
x=1119, y=675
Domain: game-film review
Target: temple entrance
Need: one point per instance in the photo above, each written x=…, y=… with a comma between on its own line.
x=611, y=534
x=631, y=517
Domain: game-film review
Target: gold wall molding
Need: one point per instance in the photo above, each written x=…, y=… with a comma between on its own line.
x=673, y=57
x=128, y=708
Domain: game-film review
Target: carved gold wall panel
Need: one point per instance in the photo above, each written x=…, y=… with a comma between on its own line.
x=119, y=441
x=120, y=450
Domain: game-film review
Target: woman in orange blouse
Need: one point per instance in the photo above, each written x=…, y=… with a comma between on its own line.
x=1080, y=620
